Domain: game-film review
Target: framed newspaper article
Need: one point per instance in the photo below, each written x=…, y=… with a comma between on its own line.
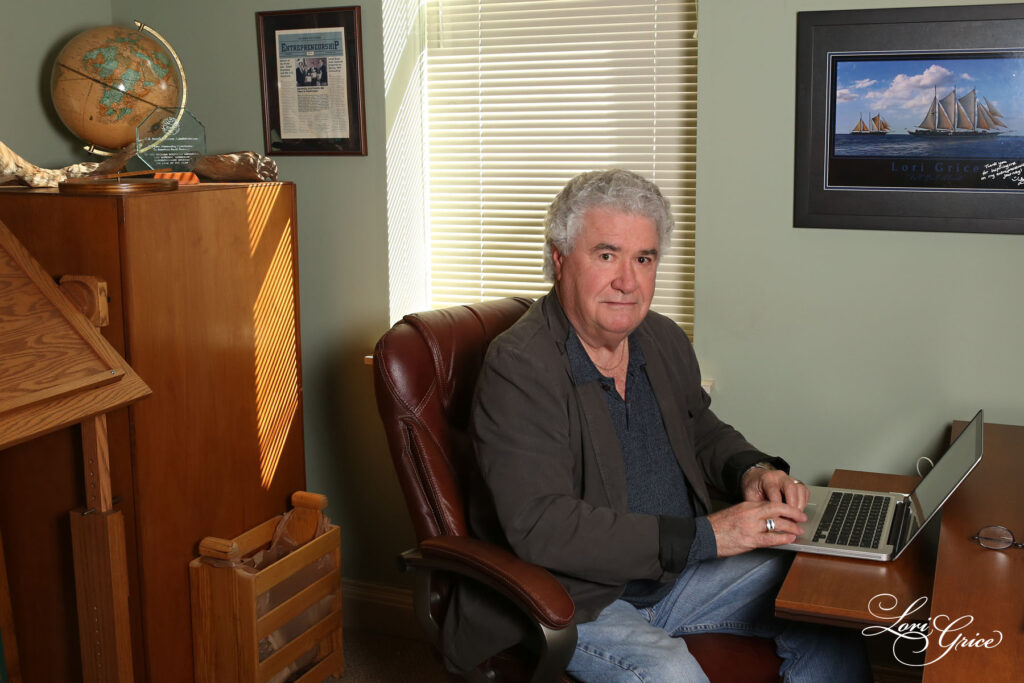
x=311, y=67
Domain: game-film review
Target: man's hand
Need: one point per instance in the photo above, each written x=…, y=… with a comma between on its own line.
x=773, y=485
x=746, y=526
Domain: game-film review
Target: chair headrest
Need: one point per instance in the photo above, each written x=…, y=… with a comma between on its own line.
x=425, y=372
x=437, y=354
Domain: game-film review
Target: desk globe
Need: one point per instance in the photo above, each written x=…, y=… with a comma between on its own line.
x=107, y=80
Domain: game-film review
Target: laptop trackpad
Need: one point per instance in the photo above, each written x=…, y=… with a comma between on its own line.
x=813, y=519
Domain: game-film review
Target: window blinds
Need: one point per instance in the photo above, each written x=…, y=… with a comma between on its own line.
x=522, y=95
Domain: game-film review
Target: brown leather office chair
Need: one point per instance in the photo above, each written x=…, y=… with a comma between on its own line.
x=425, y=370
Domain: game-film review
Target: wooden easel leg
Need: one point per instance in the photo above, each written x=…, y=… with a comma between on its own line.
x=101, y=568
x=9, y=654
x=96, y=461
x=101, y=589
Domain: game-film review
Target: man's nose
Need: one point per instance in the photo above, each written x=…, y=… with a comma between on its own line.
x=625, y=279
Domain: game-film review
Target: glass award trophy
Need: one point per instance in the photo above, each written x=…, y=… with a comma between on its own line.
x=172, y=139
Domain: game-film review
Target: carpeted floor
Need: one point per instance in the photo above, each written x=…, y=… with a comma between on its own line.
x=374, y=658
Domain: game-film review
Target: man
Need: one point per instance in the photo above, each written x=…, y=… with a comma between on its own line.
x=598, y=446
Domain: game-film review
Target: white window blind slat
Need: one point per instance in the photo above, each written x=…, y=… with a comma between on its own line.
x=523, y=94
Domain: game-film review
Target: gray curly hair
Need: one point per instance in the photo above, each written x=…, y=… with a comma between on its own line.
x=615, y=189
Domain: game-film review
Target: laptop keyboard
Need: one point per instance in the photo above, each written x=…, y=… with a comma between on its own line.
x=853, y=519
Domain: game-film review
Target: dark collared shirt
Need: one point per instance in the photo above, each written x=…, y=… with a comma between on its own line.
x=654, y=479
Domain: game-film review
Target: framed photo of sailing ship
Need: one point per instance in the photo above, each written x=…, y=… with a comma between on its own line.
x=911, y=119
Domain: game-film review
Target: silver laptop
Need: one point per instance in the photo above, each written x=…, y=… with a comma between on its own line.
x=879, y=526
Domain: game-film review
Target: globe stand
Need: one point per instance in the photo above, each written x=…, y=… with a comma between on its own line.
x=116, y=186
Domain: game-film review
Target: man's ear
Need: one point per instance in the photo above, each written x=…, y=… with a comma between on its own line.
x=556, y=260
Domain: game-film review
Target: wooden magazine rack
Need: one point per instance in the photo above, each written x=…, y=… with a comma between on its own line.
x=227, y=624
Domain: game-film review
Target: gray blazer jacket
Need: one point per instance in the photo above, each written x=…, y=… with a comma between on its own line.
x=554, y=472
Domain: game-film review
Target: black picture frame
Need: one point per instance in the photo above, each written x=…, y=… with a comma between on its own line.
x=268, y=24
x=939, y=189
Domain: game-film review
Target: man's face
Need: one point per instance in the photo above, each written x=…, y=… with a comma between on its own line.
x=606, y=282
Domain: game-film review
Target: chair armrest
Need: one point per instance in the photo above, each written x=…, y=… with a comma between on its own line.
x=533, y=588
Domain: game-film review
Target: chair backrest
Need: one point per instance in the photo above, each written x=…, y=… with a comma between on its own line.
x=425, y=371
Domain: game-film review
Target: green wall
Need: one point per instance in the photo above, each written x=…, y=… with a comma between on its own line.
x=32, y=34
x=832, y=348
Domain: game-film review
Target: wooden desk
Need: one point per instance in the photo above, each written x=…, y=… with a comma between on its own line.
x=838, y=590
x=973, y=581
x=967, y=580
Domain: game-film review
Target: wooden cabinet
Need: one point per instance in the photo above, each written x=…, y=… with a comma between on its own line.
x=204, y=306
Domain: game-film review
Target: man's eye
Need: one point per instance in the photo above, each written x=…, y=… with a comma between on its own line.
x=606, y=257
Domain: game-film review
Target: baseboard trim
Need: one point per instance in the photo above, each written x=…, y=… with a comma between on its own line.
x=383, y=609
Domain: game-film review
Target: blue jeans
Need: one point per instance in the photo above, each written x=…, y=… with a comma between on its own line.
x=727, y=595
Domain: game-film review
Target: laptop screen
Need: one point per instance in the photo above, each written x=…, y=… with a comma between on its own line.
x=954, y=465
